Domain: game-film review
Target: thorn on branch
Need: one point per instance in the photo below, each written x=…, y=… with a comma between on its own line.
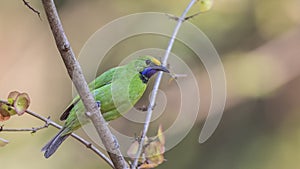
x=66, y=47
x=35, y=129
x=48, y=121
x=89, y=145
x=32, y=9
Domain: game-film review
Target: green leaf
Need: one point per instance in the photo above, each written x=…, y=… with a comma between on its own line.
x=6, y=111
x=4, y=114
x=12, y=96
x=21, y=103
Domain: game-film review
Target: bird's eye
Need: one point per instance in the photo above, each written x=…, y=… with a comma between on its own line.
x=148, y=62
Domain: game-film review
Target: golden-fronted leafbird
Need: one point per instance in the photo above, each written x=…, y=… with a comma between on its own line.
x=117, y=90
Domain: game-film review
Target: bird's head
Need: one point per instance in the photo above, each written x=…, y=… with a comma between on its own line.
x=148, y=66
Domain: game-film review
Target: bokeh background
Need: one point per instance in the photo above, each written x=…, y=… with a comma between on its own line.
x=258, y=42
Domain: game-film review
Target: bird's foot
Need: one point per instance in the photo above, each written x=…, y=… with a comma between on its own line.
x=144, y=108
x=116, y=144
x=98, y=104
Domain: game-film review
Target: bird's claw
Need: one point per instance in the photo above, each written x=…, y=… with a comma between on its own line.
x=142, y=108
x=98, y=104
x=145, y=108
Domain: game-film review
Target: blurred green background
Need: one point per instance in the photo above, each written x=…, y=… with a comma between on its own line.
x=258, y=42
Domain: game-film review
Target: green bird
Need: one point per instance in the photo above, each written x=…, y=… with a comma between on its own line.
x=117, y=90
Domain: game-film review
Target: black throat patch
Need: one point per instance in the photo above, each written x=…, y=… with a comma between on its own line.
x=144, y=78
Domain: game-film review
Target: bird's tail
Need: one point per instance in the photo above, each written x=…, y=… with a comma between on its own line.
x=54, y=143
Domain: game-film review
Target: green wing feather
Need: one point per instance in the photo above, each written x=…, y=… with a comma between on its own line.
x=123, y=89
x=100, y=81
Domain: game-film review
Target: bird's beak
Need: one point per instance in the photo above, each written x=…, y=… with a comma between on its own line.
x=160, y=68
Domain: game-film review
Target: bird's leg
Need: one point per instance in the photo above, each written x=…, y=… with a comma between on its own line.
x=144, y=108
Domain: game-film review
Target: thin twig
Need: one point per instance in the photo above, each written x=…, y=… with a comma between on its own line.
x=157, y=83
x=76, y=75
x=192, y=16
x=32, y=130
x=176, y=18
x=31, y=8
x=48, y=122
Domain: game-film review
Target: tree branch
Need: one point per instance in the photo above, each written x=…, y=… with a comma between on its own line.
x=32, y=130
x=31, y=8
x=81, y=86
x=180, y=20
x=48, y=122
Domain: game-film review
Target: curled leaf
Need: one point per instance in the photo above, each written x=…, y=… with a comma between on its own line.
x=4, y=114
x=17, y=104
x=6, y=111
x=160, y=135
x=21, y=103
x=133, y=149
x=146, y=166
x=131, y=152
x=3, y=142
x=12, y=96
x=153, y=150
x=154, y=153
